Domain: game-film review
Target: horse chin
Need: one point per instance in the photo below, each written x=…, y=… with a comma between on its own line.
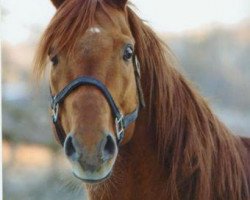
x=93, y=181
x=92, y=177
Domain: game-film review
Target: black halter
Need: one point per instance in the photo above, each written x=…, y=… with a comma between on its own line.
x=121, y=122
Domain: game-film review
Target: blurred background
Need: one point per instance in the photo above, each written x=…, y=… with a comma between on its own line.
x=210, y=39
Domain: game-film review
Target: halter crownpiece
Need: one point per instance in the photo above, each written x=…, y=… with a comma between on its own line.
x=121, y=122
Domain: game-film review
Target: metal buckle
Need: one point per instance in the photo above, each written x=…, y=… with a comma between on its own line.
x=119, y=126
x=55, y=110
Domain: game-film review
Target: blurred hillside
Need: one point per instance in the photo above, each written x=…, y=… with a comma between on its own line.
x=25, y=105
x=218, y=61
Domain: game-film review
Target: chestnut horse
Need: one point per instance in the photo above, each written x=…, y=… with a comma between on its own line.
x=171, y=147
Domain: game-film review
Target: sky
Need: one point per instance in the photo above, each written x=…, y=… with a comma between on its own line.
x=163, y=15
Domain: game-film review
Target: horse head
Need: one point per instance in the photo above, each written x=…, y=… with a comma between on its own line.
x=93, y=83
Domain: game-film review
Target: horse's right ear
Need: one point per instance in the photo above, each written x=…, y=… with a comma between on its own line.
x=57, y=3
x=121, y=4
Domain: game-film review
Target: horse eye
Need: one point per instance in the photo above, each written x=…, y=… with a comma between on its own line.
x=128, y=53
x=54, y=60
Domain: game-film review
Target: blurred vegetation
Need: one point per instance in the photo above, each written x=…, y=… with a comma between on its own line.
x=218, y=62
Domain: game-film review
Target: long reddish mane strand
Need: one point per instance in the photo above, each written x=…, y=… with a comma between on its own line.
x=194, y=145
x=70, y=21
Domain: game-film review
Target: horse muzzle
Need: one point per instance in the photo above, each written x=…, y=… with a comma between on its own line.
x=91, y=165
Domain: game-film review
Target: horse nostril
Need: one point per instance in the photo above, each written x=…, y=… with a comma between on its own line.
x=70, y=149
x=108, y=150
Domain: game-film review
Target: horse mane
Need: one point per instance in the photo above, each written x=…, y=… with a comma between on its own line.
x=200, y=155
x=62, y=34
x=203, y=159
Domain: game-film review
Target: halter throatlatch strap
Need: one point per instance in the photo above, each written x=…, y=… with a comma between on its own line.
x=121, y=122
x=137, y=71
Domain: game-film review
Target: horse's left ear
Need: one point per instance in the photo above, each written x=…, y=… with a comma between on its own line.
x=118, y=3
x=57, y=3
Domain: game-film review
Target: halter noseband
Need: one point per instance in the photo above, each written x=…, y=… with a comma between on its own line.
x=121, y=122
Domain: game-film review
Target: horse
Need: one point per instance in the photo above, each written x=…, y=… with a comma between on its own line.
x=131, y=125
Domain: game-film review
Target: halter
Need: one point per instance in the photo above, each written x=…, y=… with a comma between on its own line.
x=121, y=122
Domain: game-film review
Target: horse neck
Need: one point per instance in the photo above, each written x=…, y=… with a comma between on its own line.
x=203, y=159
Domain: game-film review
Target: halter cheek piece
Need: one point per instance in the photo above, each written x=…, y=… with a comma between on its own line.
x=121, y=122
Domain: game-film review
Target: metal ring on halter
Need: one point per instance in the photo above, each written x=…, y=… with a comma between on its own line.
x=119, y=126
x=55, y=111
